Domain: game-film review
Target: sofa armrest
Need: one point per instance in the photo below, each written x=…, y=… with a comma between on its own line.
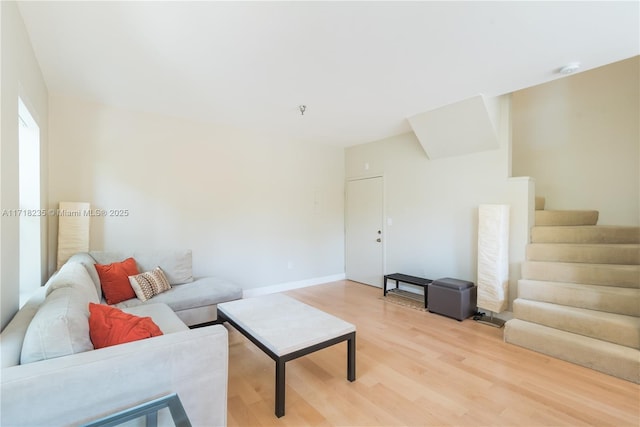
x=82, y=387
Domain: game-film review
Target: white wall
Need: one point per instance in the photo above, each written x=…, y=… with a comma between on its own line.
x=20, y=77
x=249, y=206
x=579, y=137
x=433, y=204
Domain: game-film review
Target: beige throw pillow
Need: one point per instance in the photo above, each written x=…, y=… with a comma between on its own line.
x=148, y=284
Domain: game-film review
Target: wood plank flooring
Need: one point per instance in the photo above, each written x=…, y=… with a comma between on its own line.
x=416, y=368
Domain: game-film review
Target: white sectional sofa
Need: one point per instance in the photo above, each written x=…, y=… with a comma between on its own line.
x=51, y=375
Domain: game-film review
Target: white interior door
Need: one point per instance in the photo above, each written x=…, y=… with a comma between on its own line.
x=364, y=239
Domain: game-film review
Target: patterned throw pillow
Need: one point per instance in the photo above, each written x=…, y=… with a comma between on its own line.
x=148, y=284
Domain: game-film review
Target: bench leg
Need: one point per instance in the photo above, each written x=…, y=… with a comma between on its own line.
x=351, y=358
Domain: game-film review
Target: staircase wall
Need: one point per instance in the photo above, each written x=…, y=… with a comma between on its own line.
x=578, y=137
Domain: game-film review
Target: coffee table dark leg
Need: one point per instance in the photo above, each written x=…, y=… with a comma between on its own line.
x=351, y=358
x=280, y=383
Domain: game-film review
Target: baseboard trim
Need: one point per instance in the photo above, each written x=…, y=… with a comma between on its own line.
x=288, y=286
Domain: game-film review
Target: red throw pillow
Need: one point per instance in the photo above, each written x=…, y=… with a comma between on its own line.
x=114, y=279
x=110, y=326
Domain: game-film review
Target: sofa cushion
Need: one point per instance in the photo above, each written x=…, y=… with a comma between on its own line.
x=148, y=284
x=111, y=326
x=161, y=314
x=87, y=260
x=201, y=292
x=176, y=264
x=74, y=275
x=59, y=328
x=13, y=334
x=114, y=279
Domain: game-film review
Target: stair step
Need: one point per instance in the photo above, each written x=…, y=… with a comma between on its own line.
x=626, y=254
x=594, y=297
x=566, y=217
x=540, y=202
x=611, y=327
x=611, y=359
x=623, y=276
x=585, y=234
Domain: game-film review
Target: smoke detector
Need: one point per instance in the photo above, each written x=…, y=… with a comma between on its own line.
x=570, y=68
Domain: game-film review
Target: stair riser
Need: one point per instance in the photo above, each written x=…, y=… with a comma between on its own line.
x=566, y=217
x=624, y=276
x=612, y=359
x=603, y=298
x=585, y=234
x=583, y=253
x=614, y=328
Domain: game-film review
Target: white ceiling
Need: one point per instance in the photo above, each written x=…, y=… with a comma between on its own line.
x=361, y=68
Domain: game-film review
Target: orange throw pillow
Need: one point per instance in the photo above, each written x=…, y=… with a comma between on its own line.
x=114, y=279
x=110, y=326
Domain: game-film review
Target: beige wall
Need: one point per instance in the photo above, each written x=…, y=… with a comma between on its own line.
x=579, y=137
x=433, y=204
x=20, y=76
x=254, y=209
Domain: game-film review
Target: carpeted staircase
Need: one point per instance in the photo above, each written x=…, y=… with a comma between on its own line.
x=579, y=296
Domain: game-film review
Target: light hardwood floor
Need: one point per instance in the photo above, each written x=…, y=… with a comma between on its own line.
x=416, y=368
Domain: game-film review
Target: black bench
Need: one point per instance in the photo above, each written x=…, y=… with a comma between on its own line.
x=411, y=280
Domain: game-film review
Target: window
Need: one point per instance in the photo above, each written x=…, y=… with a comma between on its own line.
x=29, y=199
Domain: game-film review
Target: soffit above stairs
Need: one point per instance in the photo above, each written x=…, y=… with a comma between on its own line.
x=464, y=127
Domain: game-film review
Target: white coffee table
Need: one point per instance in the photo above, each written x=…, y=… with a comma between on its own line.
x=285, y=329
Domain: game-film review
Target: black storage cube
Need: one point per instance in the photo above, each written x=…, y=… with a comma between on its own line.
x=453, y=298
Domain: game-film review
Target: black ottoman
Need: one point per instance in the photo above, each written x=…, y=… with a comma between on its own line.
x=453, y=298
